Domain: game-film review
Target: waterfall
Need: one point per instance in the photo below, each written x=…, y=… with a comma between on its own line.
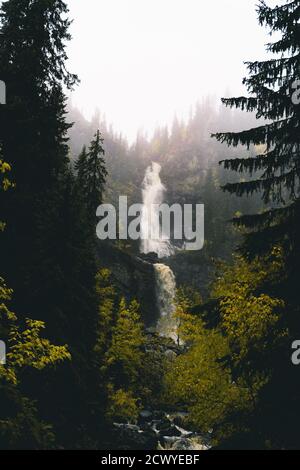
x=153, y=193
x=165, y=293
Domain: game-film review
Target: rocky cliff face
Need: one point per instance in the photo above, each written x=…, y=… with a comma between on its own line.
x=133, y=277
x=192, y=269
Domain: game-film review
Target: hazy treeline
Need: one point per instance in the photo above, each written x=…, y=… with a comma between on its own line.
x=190, y=164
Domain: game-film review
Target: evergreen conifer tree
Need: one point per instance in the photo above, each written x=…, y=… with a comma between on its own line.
x=48, y=254
x=276, y=171
x=94, y=173
x=80, y=167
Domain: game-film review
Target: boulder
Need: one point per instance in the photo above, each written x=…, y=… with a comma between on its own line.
x=145, y=416
x=158, y=414
x=172, y=431
x=133, y=438
x=170, y=354
x=164, y=423
x=180, y=420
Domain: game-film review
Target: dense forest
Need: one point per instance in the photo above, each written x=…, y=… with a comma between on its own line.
x=109, y=346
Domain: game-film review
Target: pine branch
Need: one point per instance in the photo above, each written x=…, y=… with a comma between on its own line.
x=272, y=160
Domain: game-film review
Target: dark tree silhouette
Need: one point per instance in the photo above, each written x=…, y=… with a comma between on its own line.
x=270, y=85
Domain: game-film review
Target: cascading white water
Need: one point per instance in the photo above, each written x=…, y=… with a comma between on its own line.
x=165, y=292
x=153, y=192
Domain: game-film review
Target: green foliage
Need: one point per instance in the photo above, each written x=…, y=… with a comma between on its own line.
x=224, y=369
x=26, y=349
x=248, y=316
x=125, y=352
x=122, y=405
x=186, y=299
x=5, y=182
x=199, y=380
x=154, y=367
x=272, y=173
x=24, y=430
x=106, y=294
x=119, y=354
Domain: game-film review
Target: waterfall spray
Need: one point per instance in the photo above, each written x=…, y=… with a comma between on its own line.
x=165, y=293
x=153, y=192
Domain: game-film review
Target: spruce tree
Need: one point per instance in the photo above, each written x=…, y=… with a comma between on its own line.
x=32, y=129
x=80, y=167
x=32, y=56
x=275, y=172
x=48, y=254
x=94, y=174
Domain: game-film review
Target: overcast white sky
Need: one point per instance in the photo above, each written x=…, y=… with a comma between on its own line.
x=140, y=61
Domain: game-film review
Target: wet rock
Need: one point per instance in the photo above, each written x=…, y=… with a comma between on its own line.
x=158, y=414
x=133, y=277
x=149, y=257
x=130, y=437
x=145, y=415
x=146, y=427
x=182, y=444
x=164, y=423
x=172, y=431
x=180, y=420
x=189, y=444
x=170, y=354
x=151, y=331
